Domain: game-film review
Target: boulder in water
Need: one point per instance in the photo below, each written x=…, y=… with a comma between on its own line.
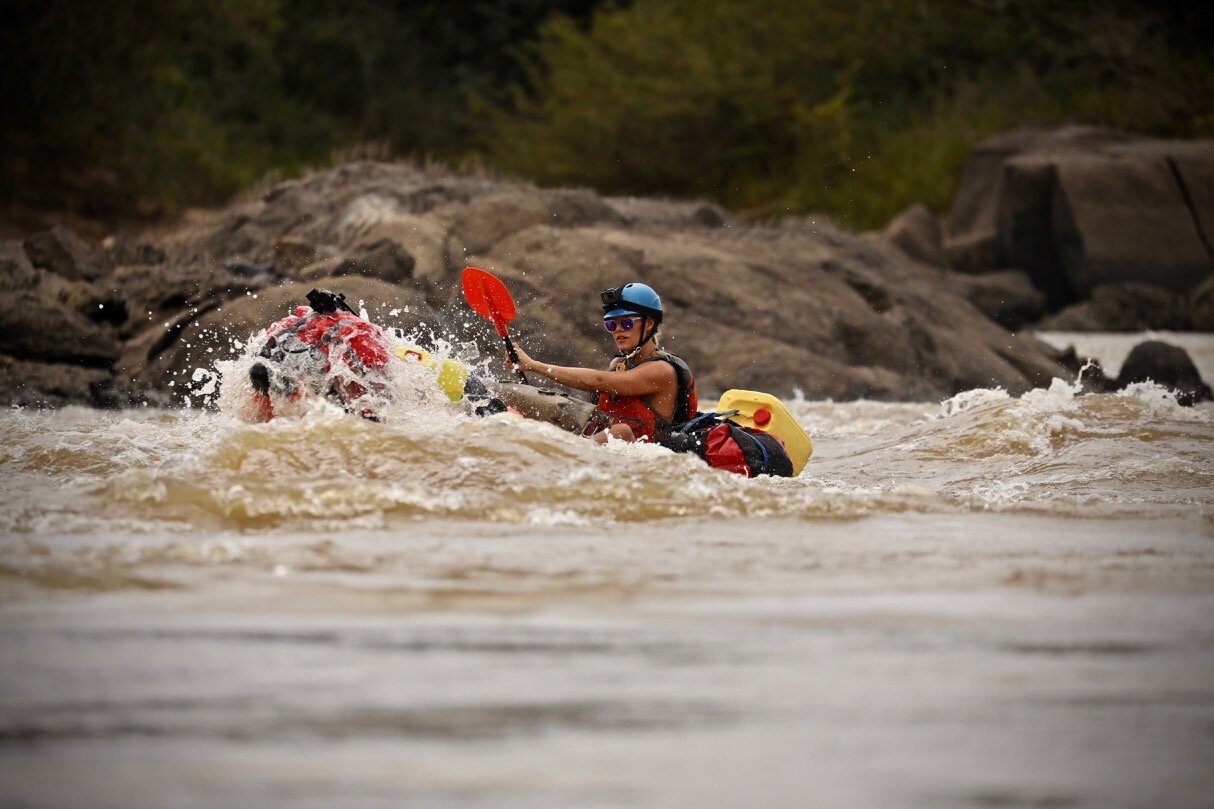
x=1166, y=365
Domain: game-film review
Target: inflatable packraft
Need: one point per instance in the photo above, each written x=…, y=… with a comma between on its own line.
x=749, y=432
x=325, y=349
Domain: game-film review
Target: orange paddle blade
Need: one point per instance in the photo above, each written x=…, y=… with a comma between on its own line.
x=488, y=297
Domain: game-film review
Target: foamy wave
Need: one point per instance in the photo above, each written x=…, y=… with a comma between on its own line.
x=78, y=471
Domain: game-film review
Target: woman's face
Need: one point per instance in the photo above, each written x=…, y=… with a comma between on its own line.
x=626, y=331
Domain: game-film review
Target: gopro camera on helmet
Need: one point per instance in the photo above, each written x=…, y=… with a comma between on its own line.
x=612, y=298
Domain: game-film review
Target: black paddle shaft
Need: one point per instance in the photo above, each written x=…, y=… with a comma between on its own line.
x=513, y=355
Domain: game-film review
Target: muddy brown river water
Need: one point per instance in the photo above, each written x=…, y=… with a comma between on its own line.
x=976, y=603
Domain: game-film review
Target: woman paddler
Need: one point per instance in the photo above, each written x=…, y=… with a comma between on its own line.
x=645, y=392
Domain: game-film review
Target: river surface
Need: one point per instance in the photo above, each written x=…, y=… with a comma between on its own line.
x=983, y=602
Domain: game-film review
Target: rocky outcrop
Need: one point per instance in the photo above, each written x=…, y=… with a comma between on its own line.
x=1081, y=208
x=32, y=327
x=1123, y=307
x=796, y=305
x=916, y=232
x=61, y=252
x=1201, y=306
x=1007, y=297
x=16, y=271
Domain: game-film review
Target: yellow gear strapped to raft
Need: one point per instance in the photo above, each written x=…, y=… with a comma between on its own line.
x=762, y=411
x=452, y=375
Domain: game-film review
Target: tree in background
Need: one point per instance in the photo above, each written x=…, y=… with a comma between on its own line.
x=134, y=105
x=852, y=107
x=118, y=108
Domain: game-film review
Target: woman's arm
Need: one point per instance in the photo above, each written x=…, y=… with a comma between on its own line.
x=647, y=378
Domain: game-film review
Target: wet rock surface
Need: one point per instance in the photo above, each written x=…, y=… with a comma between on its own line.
x=1164, y=364
x=1083, y=210
x=795, y=305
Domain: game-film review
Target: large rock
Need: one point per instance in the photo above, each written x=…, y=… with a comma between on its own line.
x=798, y=305
x=424, y=240
x=123, y=249
x=1166, y=365
x=1079, y=208
x=775, y=307
x=1201, y=306
x=34, y=328
x=100, y=303
x=1008, y=297
x=62, y=252
x=16, y=272
x=489, y=220
x=1123, y=307
x=25, y=383
x=916, y=232
x=972, y=234
x=1126, y=219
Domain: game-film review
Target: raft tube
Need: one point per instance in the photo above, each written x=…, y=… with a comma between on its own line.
x=568, y=413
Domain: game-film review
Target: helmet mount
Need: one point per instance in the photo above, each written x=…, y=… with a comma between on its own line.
x=635, y=299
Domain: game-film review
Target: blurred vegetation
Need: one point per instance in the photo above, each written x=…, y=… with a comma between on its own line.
x=122, y=108
x=856, y=108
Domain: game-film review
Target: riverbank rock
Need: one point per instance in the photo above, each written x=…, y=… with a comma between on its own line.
x=916, y=232
x=34, y=328
x=1123, y=307
x=62, y=252
x=25, y=383
x=1007, y=297
x=1081, y=208
x=16, y=271
x=795, y=306
x=1201, y=306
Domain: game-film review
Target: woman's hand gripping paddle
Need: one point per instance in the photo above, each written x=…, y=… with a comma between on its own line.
x=490, y=299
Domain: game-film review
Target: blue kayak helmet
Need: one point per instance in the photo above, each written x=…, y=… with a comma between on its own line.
x=632, y=299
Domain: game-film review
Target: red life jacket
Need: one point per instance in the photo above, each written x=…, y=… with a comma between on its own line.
x=637, y=413
x=306, y=344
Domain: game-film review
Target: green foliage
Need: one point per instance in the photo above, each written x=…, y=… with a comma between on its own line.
x=116, y=107
x=121, y=105
x=853, y=108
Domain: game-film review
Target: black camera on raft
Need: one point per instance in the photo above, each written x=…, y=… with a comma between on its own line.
x=325, y=302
